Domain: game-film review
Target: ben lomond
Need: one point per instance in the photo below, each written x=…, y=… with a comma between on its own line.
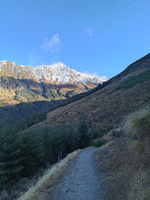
x=20, y=83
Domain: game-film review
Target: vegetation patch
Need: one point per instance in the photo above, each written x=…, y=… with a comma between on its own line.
x=27, y=96
x=137, y=125
x=23, y=154
x=134, y=80
x=148, y=197
x=139, y=147
x=30, y=120
x=98, y=143
x=126, y=160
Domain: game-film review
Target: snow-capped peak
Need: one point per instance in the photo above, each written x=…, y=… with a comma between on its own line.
x=57, y=73
x=62, y=74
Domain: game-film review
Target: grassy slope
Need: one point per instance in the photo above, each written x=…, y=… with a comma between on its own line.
x=128, y=159
x=103, y=107
x=24, y=111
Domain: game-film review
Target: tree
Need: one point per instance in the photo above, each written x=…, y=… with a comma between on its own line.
x=83, y=132
x=9, y=156
x=32, y=153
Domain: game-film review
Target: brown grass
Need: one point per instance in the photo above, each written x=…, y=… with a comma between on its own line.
x=137, y=124
x=126, y=171
x=126, y=163
x=104, y=108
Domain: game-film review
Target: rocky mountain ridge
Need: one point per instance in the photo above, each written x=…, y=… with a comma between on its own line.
x=57, y=73
x=20, y=83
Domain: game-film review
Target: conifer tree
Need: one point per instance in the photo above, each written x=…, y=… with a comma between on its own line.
x=32, y=153
x=9, y=156
x=46, y=137
x=83, y=132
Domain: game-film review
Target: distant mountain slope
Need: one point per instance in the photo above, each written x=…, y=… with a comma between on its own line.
x=19, y=83
x=109, y=104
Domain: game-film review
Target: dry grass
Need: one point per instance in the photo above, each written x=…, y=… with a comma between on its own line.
x=103, y=108
x=44, y=187
x=127, y=174
x=137, y=124
x=125, y=160
x=126, y=163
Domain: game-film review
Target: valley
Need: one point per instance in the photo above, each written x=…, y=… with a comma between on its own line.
x=113, y=117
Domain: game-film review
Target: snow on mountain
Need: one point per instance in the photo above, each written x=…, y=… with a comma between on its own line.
x=20, y=83
x=63, y=74
x=56, y=73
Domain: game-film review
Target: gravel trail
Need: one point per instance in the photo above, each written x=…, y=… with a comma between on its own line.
x=81, y=181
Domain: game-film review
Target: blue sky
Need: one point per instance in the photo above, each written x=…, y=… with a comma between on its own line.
x=86, y=35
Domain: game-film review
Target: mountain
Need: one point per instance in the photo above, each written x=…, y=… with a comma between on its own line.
x=114, y=108
x=118, y=97
x=20, y=83
x=124, y=161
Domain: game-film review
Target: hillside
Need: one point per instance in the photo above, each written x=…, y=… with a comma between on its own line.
x=125, y=160
x=120, y=111
x=106, y=107
x=23, y=112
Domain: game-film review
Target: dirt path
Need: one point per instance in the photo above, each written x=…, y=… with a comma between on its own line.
x=81, y=181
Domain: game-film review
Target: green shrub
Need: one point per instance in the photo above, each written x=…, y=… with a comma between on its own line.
x=94, y=134
x=83, y=134
x=137, y=124
x=9, y=156
x=23, y=154
x=26, y=96
x=98, y=143
x=31, y=152
x=29, y=121
x=139, y=146
x=134, y=80
x=52, y=143
x=148, y=197
x=142, y=127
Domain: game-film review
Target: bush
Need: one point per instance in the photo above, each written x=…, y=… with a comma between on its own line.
x=31, y=152
x=10, y=167
x=139, y=146
x=137, y=125
x=148, y=197
x=98, y=143
x=94, y=134
x=29, y=121
x=142, y=127
x=134, y=80
x=23, y=154
x=4, y=195
x=83, y=134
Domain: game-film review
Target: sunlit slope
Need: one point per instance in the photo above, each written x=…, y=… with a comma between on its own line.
x=124, y=93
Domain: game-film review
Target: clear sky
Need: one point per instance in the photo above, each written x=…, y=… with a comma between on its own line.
x=102, y=36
